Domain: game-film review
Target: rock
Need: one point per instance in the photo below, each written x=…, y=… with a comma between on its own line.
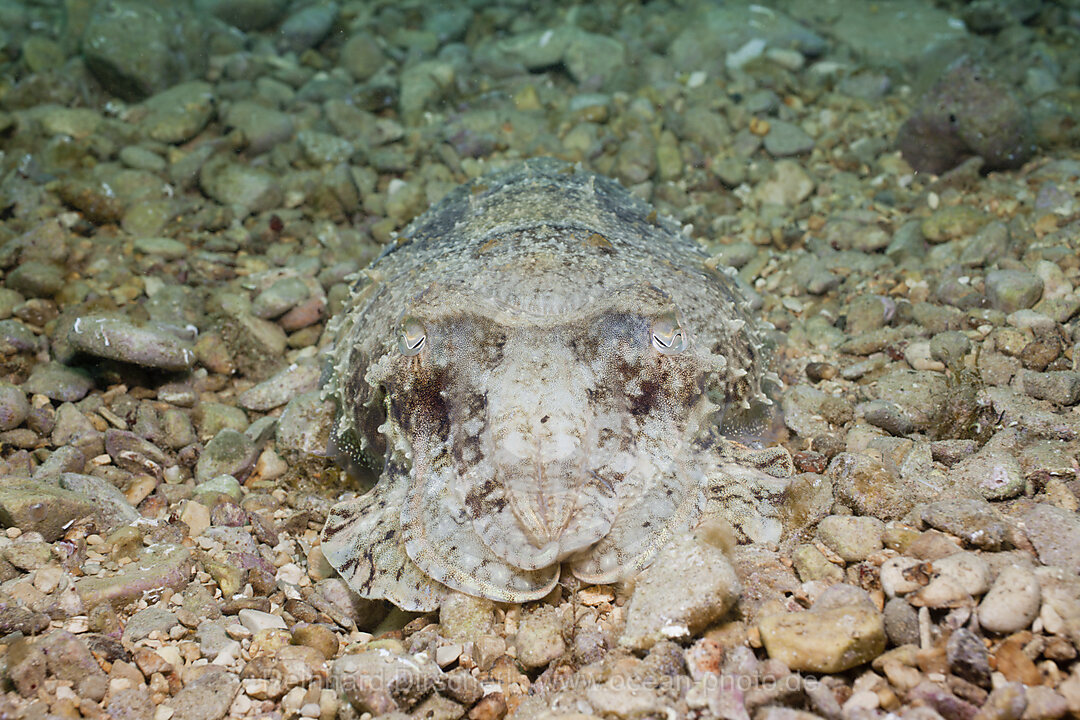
x=247, y=15
x=256, y=620
x=1057, y=386
x=785, y=139
x=135, y=49
x=974, y=521
x=19, y=618
x=58, y=382
x=540, y=637
x=1012, y=290
x=1013, y=601
x=228, y=453
x=994, y=474
x=146, y=621
x=117, y=338
x=180, y=113
x=319, y=637
x=36, y=279
x=250, y=189
x=307, y=27
x=158, y=566
x=263, y=127
x=463, y=618
x=788, y=185
x=381, y=681
x=967, y=657
x=70, y=661
x=593, y=59
x=868, y=486
x=825, y=641
x=26, y=666
x=208, y=697
x=14, y=406
x=689, y=585
x=132, y=703
x=282, y=387
x=901, y=622
x=967, y=113
x=361, y=56
x=304, y=427
x=112, y=508
x=957, y=578
x=41, y=507
x=1055, y=533
x=852, y=538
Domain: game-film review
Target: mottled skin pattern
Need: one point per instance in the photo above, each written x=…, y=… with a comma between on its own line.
x=544, y=367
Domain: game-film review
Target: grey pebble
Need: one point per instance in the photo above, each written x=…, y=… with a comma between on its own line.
x=59, y=382
x=281, y=387
x=974, y=521
x=1058, y=386
x=14, y=406
x=1055, y=533
x=43, y=507
x=117, y=338
x=279, y=298
x=229, y=453
x=1012, y=290
x=208, y=697
x=34, y=278
x=785, y=139
x=161, y=247
x=112, y=507
x=146, y=621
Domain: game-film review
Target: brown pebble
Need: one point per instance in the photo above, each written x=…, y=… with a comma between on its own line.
x=1011, y=661
x=818, y=371
x=1042, y=351
x=319, y=637
x=232, y=607
x=810, y=461
x=490, y=707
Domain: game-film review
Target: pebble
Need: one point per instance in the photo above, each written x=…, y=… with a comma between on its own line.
x=1013, y=601
x=974, y=521
x=178, y=114
x=1012, y=290
x=146, y=621
x=14, y=406
x=540, y=636
x=994, y=474
x=825, y=641
x=785, y=139
x=159, y=566
x=690, y=585
x=281, y=387
x=1060, y=386
x=1055, y=533
x=41, y=507
x=381, y=681
x=852, y=538
x=117, y=338
x=967, y=657
x=58, y=382
x=957, y=578
x=229, y=453
x=255, y=620
x=207, y=697
x=463, y=617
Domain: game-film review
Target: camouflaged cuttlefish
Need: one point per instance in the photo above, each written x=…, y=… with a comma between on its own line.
x=545, y=370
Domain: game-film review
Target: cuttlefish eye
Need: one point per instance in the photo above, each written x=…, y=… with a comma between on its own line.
x=668, y=336
x=412, y=337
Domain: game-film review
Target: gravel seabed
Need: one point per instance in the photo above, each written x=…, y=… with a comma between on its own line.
x=185, y=188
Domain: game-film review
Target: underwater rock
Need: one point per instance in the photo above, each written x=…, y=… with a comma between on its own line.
x=967, y=113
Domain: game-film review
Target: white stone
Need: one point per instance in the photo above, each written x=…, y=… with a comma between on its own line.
x=256, y=620
x=893, y=580
x=967, y=569
x=1013, y=601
